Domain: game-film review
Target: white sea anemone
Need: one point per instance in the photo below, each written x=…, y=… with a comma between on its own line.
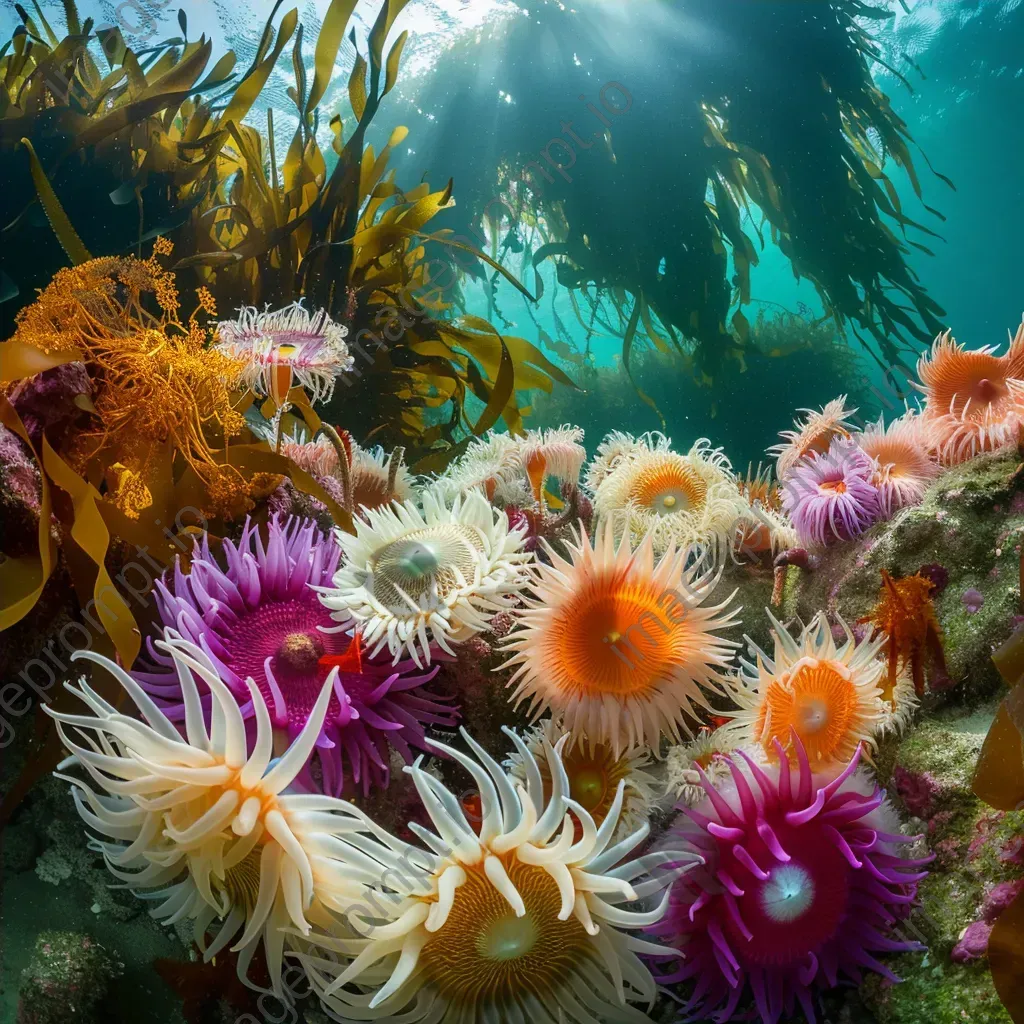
x=492, y=464
x=285, y=345
x=679, y=500
x=707, y=751
x=412, y=578
x=520, y=918
x=200, y=827
x=557, y=452
x=616, y=446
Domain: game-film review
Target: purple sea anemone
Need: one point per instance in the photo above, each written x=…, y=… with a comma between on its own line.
x=831, y=496
x=261, y=617
x=801, y=883
x=972, y=601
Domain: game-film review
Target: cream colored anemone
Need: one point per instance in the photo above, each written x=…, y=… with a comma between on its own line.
x=681, y=761
x=518, y=917
x=594, y=774
x=826, y=694
x=619, y=646
x=674, y=499
x=617, y=446
x=556, y=452
x=199, y=827
x=491, y=464
x=904, y=465
x=813, y=434
x=377, y=479
x=412, y=578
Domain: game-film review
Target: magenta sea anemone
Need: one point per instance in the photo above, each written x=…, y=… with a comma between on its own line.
x=260, y=617
x=832, y=496
x=802, y=882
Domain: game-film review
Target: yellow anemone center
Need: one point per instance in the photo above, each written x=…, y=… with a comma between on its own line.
x=485, y=956
x=818, y=702
x=669, y=488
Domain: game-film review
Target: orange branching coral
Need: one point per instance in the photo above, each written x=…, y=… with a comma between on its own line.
x=157, y=385
x=906, y=615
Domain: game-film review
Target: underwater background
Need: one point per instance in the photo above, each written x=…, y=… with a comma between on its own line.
x=500, y=301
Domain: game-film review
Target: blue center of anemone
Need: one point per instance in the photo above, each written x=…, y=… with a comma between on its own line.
x=788, y=893
x=418, y=561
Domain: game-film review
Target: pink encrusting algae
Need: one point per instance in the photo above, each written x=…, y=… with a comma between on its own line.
x=260, y=618
x=802, y=883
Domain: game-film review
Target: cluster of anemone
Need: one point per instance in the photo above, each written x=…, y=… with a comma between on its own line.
x=258, y=620
x=292, y=670
x=650, y=491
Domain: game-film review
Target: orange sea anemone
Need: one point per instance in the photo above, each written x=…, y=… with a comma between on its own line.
x=913, y=638
x=813, y=434
x=619, y=646
x=904, y=463
x=766, y=528
x=975, y=399
x=826, y=695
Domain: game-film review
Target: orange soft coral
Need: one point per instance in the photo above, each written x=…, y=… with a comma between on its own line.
x=906, y=615
x=158, y=388
x=975, y=399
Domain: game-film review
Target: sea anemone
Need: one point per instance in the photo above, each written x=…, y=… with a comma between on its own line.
x=904, y=464
x=556, y=452
x=813, y=436
x=411, y=578
x=512, y=920
x=492, y=464
x=676, y=500
x=260, y=618
x=199, y=827
x=289, y=344
x=594, y=774
x=832, y=496
x=616, y=644
x=703, y=752
x=802, y=882
x=616, y=446
x=815, y=692
x=975, y=399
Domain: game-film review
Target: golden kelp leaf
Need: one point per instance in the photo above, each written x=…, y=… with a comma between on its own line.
x=999, y=775
x=1009, y=658
x=1006, y=958
x=19, y=360
x=245, y=95
x=22, y=579
x=394, y=57
x=90, y=533
x=59, y=220
x=357, y=87
x=502, y=392
x=332, y=31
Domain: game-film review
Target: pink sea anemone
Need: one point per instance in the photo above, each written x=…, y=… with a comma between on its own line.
x=260, y=618
x=904, y=463
x=975, y=399
x=802, y=882
x=832, y=496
